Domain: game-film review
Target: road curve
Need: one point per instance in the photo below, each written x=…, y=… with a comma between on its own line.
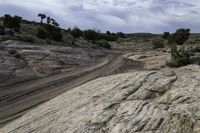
x=17, y=99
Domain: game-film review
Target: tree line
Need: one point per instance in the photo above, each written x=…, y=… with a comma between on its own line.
x=89, y=34
x=179, y=56
x=50, y=29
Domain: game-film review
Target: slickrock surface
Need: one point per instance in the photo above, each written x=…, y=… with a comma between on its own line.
x=21, y=61
x=165, y=101
x=151, y=59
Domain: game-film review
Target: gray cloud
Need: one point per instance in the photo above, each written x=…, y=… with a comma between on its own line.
x=115, y=15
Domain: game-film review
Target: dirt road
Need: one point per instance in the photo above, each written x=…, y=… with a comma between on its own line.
x=17, y=99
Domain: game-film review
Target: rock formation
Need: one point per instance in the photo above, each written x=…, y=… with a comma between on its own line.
x=164, y=101
x=21, y=61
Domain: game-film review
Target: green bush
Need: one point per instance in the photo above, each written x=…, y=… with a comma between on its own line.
x=49, y=32
x=179, y=57
x=26, y=38
x=165, y=35
x=157, y=43
x=104, y=44
x=91, y=35
x=120, y=34
x=53, y=33
x=107, y=36
x=76, y=32
x=12, y=22
x=181, y=36
x=2, y=30
x=41, y=33
x=120, y=40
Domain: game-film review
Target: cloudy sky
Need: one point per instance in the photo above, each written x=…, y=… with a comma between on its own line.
x=154, y=16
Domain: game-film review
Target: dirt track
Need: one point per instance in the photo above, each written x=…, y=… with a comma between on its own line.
x=15, y=100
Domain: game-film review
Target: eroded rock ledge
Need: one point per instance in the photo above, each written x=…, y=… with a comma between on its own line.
x=165, y=101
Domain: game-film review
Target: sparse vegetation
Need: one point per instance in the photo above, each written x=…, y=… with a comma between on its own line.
x=179, y=57
x=42, y=34
x=171, y=39
x=166, y=35
x=26, y=38
x=108, y=33
x=181, y=36
x=104, y=44
x=50, y=30
x=12, y=22
x=2, y=30
x=90, y=35
x=108, y=36
x=76, y=32
x=120, y=35
x=157, y=43
x=53, y=33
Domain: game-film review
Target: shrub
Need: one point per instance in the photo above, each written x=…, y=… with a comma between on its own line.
x=7, y=21
x=181, y=36
x=50, y=32
x=12, y=22
x=90, y=35
x=165, y=35
x=104, y=44
x=107, y=36
x=56, y=35
x=53, y=33
x=76, y=32
x=41, y=33
x=120, y=35
x=179, y=57
x=69, y=30
x=120, y=40
x=108, y=33
x=171, y=39
x=26, y=38
x=157, y=43
x=2, y=30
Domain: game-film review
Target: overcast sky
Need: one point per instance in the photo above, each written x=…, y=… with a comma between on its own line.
x=154, y=16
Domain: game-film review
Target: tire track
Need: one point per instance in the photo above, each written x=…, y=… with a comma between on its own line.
x=18, y=99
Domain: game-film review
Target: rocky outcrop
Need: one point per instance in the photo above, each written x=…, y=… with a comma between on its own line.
x=152, y=60
x=21, y=61
x=165, y=101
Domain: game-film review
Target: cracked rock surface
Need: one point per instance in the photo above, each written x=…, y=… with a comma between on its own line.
x=21, y=61
x=165, y=101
